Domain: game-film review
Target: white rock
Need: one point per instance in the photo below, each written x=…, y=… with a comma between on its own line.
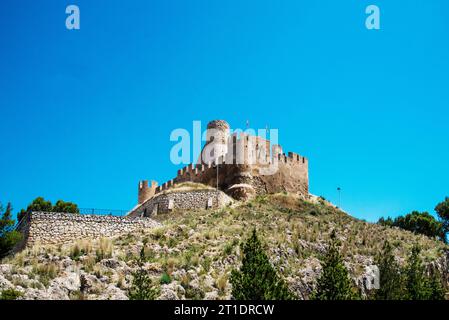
x=167, y=293
x=113, y=293
x=5, y=283
x=61, y=287
x=212, y=295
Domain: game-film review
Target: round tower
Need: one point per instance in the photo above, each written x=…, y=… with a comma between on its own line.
x=217, y=131
x=146, y=191
x=217, y=137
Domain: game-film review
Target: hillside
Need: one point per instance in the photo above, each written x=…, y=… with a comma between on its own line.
x=191, y=254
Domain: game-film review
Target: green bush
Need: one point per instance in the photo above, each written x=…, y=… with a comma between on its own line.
x=165, y=278
x=228, y=248
x=142, y=287
x=10, y=294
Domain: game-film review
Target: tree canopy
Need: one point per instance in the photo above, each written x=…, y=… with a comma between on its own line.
x=417, y=222
x=41, y=205
x=442, y=209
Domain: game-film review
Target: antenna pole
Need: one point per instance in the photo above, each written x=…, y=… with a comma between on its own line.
x=339, y=197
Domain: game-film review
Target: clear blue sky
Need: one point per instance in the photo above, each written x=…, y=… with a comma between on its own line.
x=84, y=115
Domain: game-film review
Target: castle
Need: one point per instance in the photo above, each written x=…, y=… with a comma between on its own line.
x=239, y=165
x=231, y=167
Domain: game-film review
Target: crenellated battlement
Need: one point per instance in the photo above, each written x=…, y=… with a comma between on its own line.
x=241, y=159
x=145, y=190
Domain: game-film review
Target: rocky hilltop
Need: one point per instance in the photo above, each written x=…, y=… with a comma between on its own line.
x=190, y=255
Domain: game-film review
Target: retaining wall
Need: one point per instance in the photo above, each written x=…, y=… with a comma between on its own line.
x=59, y=228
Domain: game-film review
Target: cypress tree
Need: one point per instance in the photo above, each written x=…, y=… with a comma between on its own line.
x=391, y=282
x=334, y=282
x=257, y=279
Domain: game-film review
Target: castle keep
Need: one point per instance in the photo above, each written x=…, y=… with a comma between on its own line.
x=239, y=165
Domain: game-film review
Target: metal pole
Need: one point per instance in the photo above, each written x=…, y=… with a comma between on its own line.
x=339, y=197
x=217, y=174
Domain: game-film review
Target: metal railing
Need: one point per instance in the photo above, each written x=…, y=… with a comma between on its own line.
x=103, y=212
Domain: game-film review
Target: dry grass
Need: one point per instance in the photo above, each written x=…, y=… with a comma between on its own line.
x=187, y=186
x=46, y=272
x=221, y=284
x=104, y=249
x=206, y=243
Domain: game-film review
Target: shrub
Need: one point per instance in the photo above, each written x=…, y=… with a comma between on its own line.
x=10, y=294
x=228, y=248
x=165, y=278
x=141, y=286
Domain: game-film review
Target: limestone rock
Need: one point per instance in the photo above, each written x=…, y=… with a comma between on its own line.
x=60, y=288
x=111, y=292
x=5, y=283
x=212, y=295
x=168, y=293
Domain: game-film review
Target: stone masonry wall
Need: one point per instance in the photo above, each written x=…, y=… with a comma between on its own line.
x=181, y=200
x=59, y=228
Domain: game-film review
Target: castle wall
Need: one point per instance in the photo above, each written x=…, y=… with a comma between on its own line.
x=181, y=200
x=59, y=228
x=244, y=161
x=288, y=173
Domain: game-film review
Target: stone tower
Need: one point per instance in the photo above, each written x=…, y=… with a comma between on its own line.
x=146, y=191
x=217, y=138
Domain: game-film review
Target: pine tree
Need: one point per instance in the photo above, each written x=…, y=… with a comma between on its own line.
x=436, y=288
x=142, y=287
x=65, y=207
x=442, y=210
x=257, y=279
x=41, y=205
x=391, y=283
x=8, y=236
x=416, y=283
x=334, y=282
